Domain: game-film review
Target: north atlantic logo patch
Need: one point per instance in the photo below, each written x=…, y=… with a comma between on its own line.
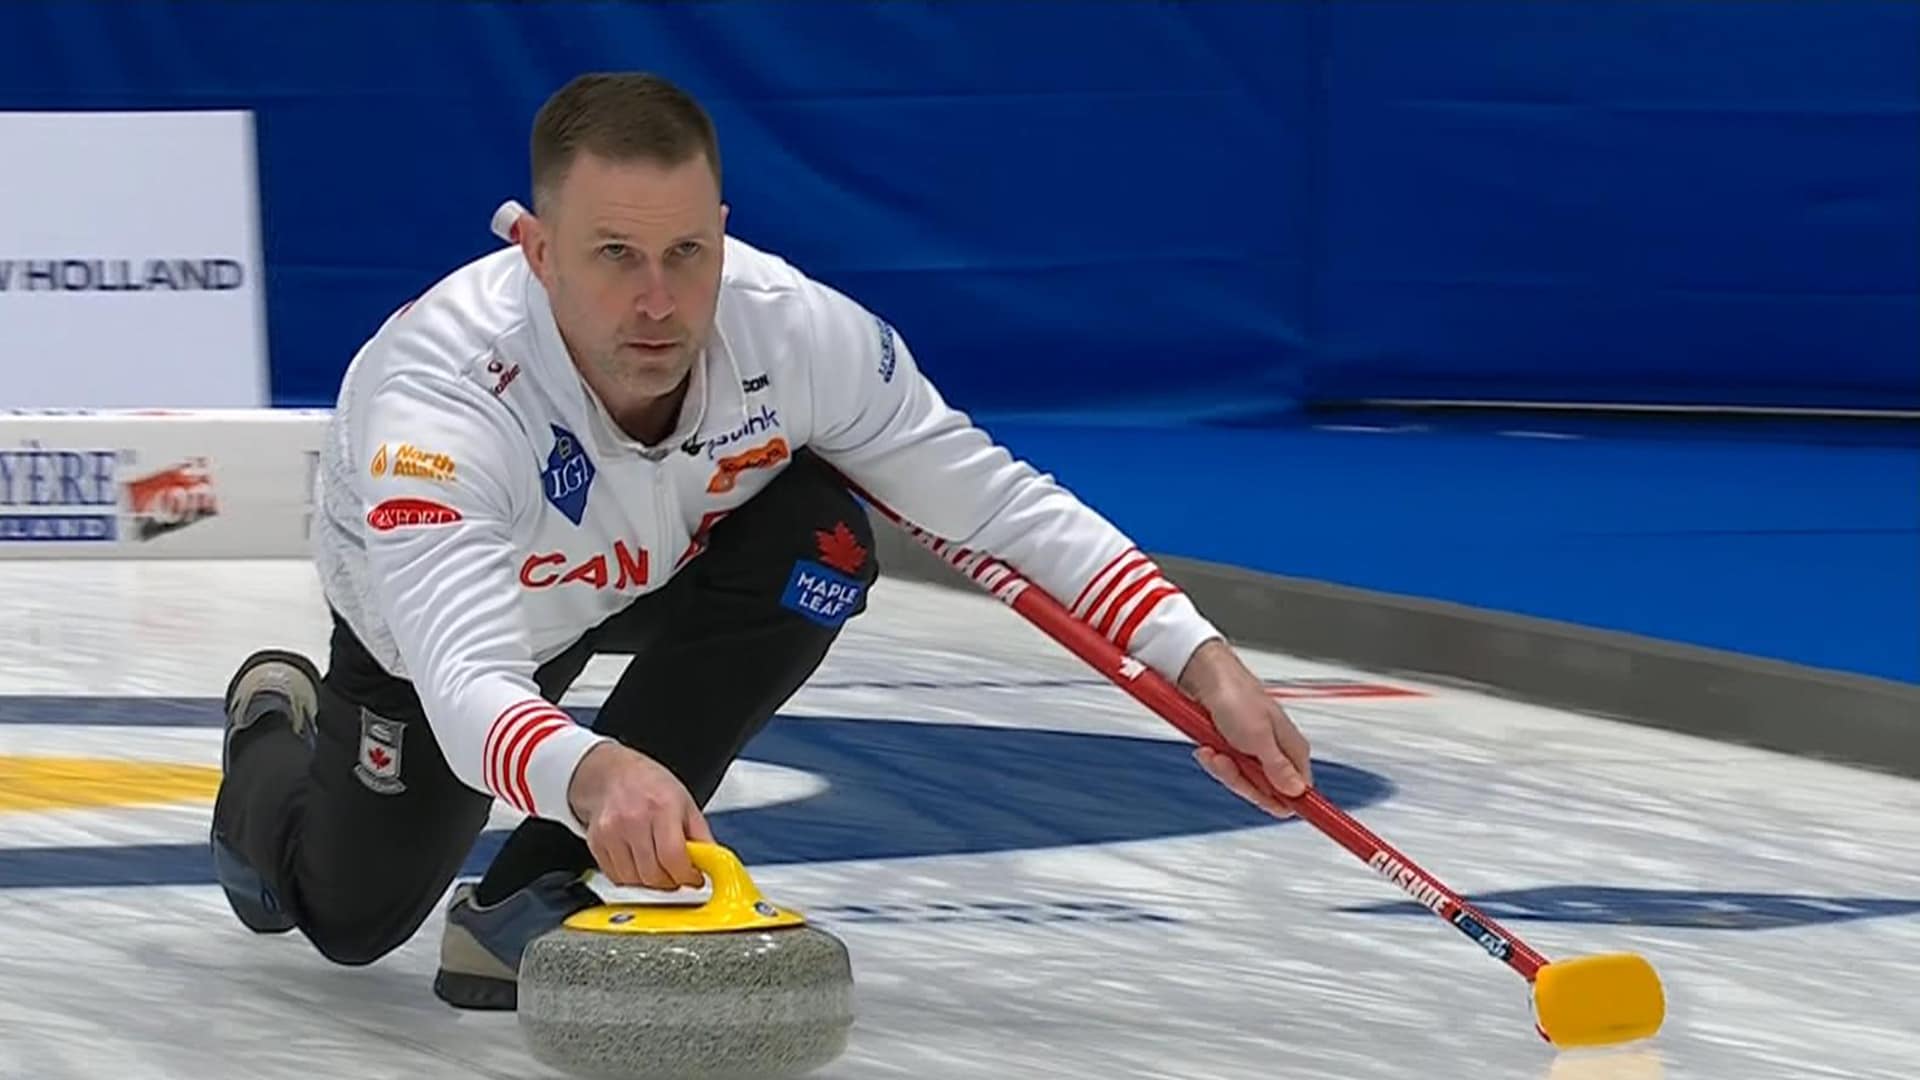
x=568, y=475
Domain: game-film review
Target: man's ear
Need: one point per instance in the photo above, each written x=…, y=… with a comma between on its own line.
x=536, y=243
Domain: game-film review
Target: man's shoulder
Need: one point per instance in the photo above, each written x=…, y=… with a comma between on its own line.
x=767, y=297
x=441, y=366
x=755, y=271
x=468, y=318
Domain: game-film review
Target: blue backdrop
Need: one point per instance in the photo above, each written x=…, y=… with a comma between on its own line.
x=1193, y=210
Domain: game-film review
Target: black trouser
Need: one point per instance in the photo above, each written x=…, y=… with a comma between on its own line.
x=715, y=652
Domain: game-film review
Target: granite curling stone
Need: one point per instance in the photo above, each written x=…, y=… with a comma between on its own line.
x=733, y=987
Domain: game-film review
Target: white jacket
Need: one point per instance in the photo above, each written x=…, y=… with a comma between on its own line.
x=479, y=510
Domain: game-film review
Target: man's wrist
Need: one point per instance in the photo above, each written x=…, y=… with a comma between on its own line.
x=583, y=788
x=1210, y=665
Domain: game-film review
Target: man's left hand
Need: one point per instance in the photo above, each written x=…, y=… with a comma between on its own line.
x=1252, y=722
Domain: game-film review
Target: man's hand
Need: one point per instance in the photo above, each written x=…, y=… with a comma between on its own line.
x=639, y=818
x=1252, y=722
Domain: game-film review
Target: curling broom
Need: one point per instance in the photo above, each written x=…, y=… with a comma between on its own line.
x=1597, y=1000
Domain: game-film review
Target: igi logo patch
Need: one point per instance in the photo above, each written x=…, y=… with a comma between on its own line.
x=568, y=475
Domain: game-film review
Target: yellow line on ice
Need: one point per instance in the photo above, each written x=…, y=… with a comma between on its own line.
x=63, y=783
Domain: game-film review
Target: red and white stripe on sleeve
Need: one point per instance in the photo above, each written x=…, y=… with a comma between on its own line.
x=511, y=741
x=1122, y=595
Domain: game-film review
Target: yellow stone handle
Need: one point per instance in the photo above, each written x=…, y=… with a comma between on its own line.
x=732, y=887
x=736, y=904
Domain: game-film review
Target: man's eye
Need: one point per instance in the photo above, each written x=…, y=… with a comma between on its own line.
x=687, y=249
x=615, y=252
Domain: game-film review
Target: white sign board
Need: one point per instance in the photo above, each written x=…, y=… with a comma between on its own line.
x=130, y=261
x=226, y=483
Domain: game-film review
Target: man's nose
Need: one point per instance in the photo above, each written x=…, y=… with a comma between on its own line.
x=655, y=301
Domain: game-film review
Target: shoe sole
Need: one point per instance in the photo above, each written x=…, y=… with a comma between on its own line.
x=253, y=914
x=268, y=656
x=260, y=659
x=477, y=992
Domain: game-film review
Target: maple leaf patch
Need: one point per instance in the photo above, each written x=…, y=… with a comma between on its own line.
x=379, y=764
x=841, y=550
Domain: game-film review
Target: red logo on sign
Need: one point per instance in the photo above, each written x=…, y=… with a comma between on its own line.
x=841, y=550
x=542, y=571
x=172, y=498
x=380, y=758
x=407, y=513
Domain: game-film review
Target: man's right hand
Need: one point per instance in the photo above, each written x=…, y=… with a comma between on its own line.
x=639, y=818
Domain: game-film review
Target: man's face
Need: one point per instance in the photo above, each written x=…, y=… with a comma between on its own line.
x=630, y=255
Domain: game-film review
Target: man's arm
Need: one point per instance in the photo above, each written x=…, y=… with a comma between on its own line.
x=880, y=421
x=438, y=487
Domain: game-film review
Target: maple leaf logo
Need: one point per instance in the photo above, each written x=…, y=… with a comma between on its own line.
x=380, y=758
x=841, y=550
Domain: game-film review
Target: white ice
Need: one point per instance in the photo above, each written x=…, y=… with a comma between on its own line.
x=1254, y=968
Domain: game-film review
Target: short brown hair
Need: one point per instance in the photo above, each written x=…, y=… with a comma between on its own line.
x=626, y=116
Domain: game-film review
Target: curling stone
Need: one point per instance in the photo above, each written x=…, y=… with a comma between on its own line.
x=731, y=987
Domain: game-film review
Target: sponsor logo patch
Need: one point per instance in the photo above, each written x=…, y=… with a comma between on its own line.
x=503, y=375
x=379, y=764
x=568, y=476
x=820, y=594
x=765, y=456
x=409, y=513
x=768, y=419
x=841, y=550
x=887, y=358
x=408, y=460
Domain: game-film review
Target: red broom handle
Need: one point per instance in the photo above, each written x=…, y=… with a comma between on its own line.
x=1154, y=691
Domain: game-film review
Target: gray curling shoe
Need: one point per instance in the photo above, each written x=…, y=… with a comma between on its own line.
x=481, y=948
x=269, y=683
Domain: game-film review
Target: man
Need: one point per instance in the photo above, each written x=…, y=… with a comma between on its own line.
x=622, y=434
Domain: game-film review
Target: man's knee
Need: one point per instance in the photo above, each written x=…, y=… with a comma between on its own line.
x=806, y=538
x=829, y=565
x=362, y=938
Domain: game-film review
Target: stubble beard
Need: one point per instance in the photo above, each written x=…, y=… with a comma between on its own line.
x=656, y=377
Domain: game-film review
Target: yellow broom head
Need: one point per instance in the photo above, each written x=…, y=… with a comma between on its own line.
x=1598, y=1000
